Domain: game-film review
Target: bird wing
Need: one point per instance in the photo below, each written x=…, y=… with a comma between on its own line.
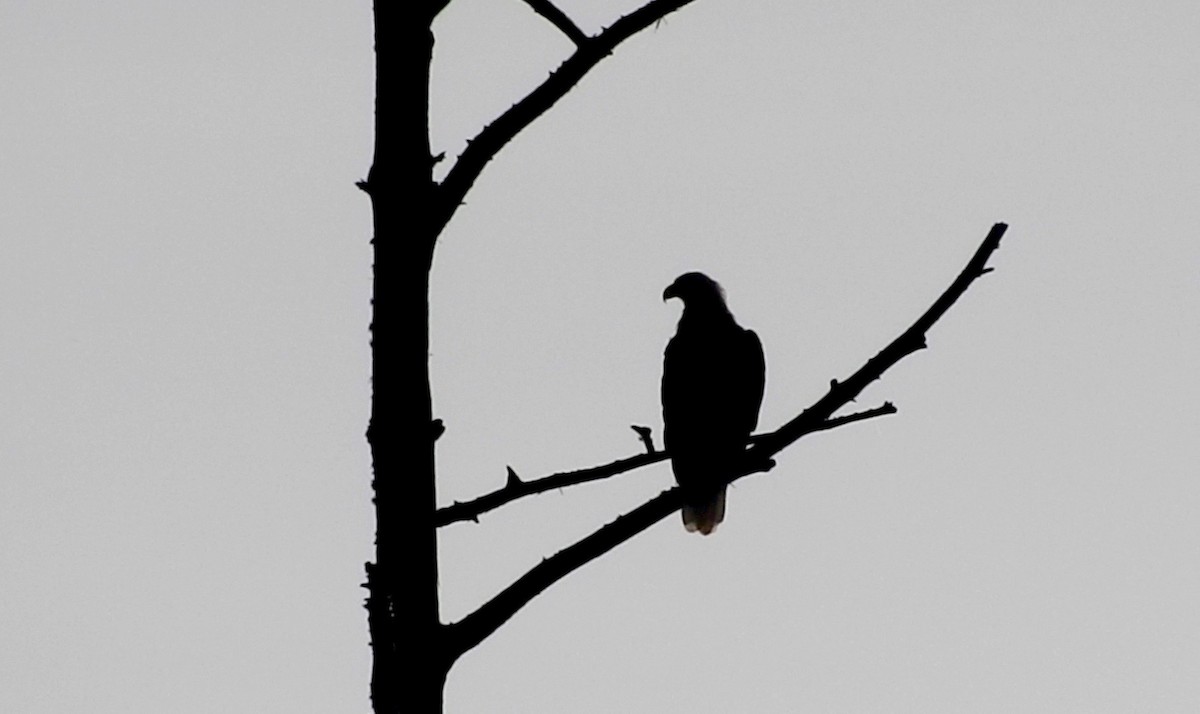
x=749, y=369
x=712, y=388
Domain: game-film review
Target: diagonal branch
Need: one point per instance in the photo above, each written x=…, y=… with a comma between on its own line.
x=909, y=341
x=588, y=54
x=472, y=629
x=515, y=488
x=559, y=19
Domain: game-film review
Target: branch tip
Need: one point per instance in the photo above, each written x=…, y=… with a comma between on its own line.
x=647, y=437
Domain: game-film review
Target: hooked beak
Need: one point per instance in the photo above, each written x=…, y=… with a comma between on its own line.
x=670, y=292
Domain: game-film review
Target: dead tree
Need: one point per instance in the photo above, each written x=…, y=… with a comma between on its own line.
x=413, y=650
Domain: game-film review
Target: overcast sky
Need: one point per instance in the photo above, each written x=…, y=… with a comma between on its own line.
x=184, y=299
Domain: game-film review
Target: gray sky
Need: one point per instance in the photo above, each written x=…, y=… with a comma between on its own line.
x=184, y=501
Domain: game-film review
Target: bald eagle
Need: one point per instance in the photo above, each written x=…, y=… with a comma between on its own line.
x=713, y=378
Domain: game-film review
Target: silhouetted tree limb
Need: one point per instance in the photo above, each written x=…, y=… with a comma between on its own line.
x=515, y=488
x=559, y=19
x=911, y=340
x=588, y=54
x=475, y=627
x=472, y=629
x=471, y=510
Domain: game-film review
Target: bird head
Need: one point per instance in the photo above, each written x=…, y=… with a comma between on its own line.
x=695, y=289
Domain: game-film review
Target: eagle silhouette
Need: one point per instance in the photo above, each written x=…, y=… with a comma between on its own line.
x=712, y=387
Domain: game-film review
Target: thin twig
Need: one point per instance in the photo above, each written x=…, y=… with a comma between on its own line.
x=646, y=434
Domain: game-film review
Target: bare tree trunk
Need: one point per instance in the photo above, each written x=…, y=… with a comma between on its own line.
x=410, y=663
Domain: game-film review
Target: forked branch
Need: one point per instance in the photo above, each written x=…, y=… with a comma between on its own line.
x=909, y=341
x=484, y=147
x=472, y=629
x=476, y=627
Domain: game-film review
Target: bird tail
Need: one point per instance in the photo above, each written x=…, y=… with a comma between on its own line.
x=705, y=515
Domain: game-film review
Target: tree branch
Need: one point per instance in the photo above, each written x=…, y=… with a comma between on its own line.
x=909, y=341
x=471, y=510
x=559, y=19
x=515, y=488
x=475, y=627
x=588, y=54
